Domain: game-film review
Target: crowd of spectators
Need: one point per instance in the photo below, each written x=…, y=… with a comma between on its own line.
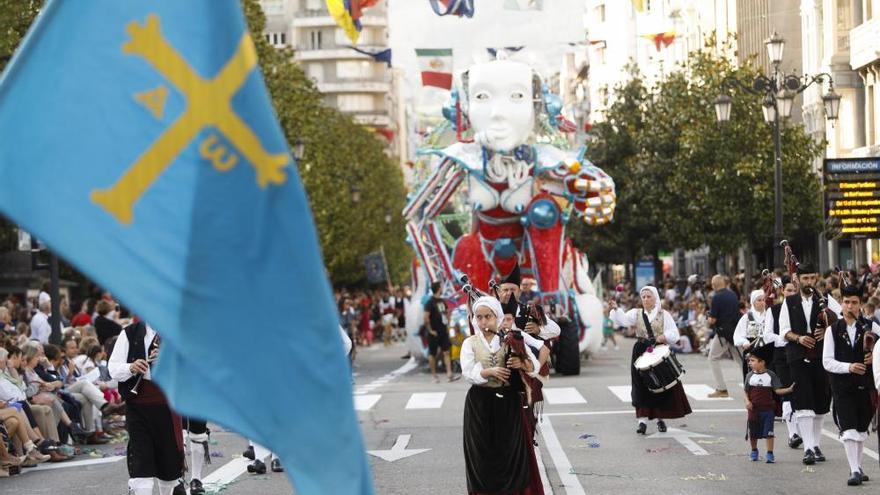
x=55, y=399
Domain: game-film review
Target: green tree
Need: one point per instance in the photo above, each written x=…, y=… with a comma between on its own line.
x=688, y=182
x=340, y=156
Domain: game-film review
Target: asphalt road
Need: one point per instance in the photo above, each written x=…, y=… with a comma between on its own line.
x=587, y=441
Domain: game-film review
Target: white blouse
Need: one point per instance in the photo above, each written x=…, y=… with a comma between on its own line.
x=631, y=317
x=471, y=368
x=742, y=328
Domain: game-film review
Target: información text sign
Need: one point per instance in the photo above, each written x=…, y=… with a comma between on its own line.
x=852, y=197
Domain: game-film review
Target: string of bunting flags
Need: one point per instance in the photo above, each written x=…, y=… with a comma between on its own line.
x=461, y=8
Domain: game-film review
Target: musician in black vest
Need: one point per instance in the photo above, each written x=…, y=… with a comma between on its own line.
x=799, y=325
x=848, y=363
x=780, y=363
x=155, y=440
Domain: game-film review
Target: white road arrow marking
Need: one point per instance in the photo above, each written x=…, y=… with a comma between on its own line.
x=684, y=437
x=398, y=451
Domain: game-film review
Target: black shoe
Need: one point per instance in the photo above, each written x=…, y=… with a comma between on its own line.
x=864, y=476
x=77, y=432
x=249, y=453
x=855, y=479
x=643, y=428
x=661, y=426
x=405, y=356
x=795, y=441
x=820, y=457
x=276, y=466
x=809, y=458
x=257, y=467
x=180, y=489
x=196, y=488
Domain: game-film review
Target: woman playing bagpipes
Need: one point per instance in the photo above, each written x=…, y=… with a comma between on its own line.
x=498, y=449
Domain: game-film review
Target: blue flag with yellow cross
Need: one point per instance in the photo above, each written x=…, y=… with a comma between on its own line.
x=139, y=142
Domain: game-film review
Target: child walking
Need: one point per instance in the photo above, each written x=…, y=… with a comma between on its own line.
x=760, y=385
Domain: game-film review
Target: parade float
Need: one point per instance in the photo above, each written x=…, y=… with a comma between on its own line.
x=501, y=160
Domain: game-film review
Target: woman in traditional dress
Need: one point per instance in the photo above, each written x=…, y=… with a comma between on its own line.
x=498, y=450
x=653, y=325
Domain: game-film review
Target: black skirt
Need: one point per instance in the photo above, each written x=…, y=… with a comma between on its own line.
x=154, y=449
x=498, y=449
x=670, y=404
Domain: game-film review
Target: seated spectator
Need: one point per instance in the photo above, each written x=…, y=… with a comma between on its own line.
x=23, y=334
x=41, y=392
x=12, y=393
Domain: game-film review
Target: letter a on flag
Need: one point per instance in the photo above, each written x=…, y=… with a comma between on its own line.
x=139, y=142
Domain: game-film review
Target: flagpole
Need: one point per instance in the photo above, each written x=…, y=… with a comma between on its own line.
x=385, y=265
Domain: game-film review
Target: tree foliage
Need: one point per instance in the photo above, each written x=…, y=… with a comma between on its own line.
x=339, y=156
x=684, y=181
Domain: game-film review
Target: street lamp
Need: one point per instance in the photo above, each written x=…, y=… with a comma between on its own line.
x=777, y=91
x=775, y=47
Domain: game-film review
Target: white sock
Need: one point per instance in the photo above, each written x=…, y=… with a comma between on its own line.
x=861, y=453
x=805, y=425
x=29, y=446
x=817, y=428
x=852, y=454
x=140, y=486
x=197, y=454
x=167, y=487
x=197, y=458
x=642, y=421
x=790, y=423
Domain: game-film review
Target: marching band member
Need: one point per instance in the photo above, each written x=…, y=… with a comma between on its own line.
x=155, y=439
x=200, y=452
x=498, y=450
x=799, y=324
x=780, y=364
x=848, y=362
x=653, y=324
x=749, y=330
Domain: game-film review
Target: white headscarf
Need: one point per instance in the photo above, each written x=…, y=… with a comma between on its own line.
x=754, y=297
x=491, y=303
x=653, y=290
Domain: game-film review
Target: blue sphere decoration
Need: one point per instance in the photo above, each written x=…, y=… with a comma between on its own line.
x=553, y=105
x=449, y=111
x=524, y=221
x=543, y=214
x=504, y=248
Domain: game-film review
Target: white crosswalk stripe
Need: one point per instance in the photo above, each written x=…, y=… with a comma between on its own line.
x=563, y=395
x=432, y=400
x=696, y=391
x=366, y=402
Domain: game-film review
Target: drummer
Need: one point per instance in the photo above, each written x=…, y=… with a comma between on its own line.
x=654, y=326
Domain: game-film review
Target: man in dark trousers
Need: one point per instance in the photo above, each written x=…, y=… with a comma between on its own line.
x=437, y=324
x=799, y=324
x=155, y=438
x=723, y=316
x=849, y=363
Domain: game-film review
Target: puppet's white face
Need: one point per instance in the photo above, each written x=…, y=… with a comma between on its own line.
x=500, y=104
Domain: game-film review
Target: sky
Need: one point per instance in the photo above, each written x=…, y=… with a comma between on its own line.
x=545, y=34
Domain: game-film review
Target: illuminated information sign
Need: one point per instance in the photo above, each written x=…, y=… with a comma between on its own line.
x=852, y=197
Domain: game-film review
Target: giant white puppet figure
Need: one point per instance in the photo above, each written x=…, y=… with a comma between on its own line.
x=521, y=193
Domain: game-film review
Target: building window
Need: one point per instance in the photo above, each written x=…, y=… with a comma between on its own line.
x=315, y=40
x=354, y=69
x=600, y=13
x=283, y=38
x=844, y=23
x=314, y=4
x=316, y=71
x=355, y=103
x=600, y=55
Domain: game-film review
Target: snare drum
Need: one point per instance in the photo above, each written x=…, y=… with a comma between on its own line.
x=659, y=369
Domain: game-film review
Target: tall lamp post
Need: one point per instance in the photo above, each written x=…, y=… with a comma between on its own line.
x=777, y=91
